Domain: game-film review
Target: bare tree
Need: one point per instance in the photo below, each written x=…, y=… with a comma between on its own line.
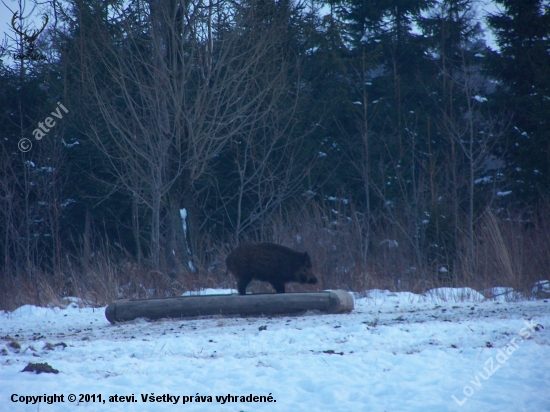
x=174, y=91
x=270, y=164
x=472, y=135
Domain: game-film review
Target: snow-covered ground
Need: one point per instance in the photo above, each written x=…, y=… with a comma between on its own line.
x=448, y=351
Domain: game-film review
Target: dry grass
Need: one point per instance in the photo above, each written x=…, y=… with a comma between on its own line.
x=513, y=251
x=510, y=251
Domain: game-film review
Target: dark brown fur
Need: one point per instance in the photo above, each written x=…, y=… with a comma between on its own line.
x=269, y=262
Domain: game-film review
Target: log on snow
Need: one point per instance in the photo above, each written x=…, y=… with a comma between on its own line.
x=336, y=301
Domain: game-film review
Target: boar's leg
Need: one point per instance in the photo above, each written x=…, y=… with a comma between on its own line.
x=279, y=287
x=242, y=284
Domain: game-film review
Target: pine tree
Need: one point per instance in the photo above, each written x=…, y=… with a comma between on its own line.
x=522, y=67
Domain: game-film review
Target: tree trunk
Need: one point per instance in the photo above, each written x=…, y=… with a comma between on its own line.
x=176, y=254
x=136, y=227
x=87, y=241
x=192, y=234
x=155, y=230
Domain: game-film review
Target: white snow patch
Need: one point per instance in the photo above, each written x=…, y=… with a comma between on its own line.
x=395, y=351
x=312, y=50
x=209, y=291
x=183, y=215
x=69, y=145
x=541, y=288
x=454, y=295
x=502, y=294
x=68, y=202
x=391, y=243
x=486, y=179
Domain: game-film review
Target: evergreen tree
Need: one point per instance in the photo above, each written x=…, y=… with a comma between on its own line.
x=522, y=67
x=459, y=141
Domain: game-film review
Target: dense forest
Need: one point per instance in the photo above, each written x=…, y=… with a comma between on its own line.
x=142, y=140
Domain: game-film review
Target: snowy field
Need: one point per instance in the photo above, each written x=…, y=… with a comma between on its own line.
x=394, y=352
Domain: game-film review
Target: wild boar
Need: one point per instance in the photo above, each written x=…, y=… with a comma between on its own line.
x=269, y=262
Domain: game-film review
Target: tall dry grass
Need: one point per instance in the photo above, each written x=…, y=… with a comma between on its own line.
x=513, y=251
x=510, y=251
